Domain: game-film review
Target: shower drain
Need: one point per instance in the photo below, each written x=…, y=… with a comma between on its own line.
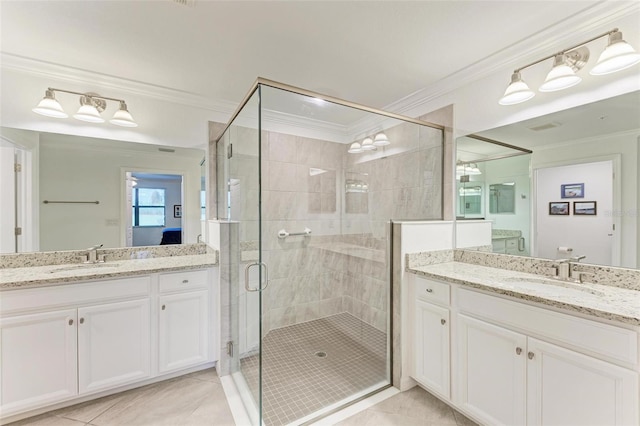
x=321, y=354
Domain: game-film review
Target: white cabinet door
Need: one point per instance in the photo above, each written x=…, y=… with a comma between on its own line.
x=39, y=364
x=431, y=351
x=113, y=344
x=184, y=330
x=567, y=388
x=491, y=372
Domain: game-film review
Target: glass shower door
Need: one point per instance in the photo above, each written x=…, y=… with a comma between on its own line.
x=240, y=189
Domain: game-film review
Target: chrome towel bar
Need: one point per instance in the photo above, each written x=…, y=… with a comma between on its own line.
x=284, y=234
x=70, y=202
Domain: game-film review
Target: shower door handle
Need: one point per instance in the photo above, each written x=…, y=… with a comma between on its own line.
x=246, y=276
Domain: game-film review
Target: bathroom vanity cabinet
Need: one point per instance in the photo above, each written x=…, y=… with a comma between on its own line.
x=516, y=363
x=64, y=342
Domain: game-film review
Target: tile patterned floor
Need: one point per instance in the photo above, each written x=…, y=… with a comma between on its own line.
x=195, y=399
x=198, y=400
x=297, y=383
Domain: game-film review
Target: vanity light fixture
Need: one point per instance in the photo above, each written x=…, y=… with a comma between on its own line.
x=355, y=148
x=91, y=107
x=369, y=144
x=381, y=140
x=618, y=55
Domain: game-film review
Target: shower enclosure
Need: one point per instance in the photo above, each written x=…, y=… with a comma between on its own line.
x=308, y=186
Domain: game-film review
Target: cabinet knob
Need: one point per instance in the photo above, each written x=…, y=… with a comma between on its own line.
x=70, y=322
x=443, y=321
x=163, y=307
x=81, y=320
x=530, y=355
x=429, y=290
x=518, y=351
x=185, y=281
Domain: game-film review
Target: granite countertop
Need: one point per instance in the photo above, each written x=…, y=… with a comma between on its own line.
x=614, y=303
x=40, y=276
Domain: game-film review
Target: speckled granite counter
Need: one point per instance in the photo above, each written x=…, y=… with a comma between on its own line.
x=609, y=302
x=39, y=276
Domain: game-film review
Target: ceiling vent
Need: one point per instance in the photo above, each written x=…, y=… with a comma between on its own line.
x=546, y=126
x=190, y=3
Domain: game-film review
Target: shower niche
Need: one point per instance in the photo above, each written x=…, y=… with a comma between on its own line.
x=307, y=293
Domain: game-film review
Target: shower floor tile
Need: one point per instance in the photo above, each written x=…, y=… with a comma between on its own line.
x=297, y=382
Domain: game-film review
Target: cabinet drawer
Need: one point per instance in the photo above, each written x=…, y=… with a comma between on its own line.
x=432, y=291
x=73, y=294
x=609, y=341
x=183, y=280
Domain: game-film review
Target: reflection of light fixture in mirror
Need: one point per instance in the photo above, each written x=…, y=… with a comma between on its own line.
x=355, y=148
x=467, y=169
x=49, y=106
x=367, y=145
x=381, y=140
x=561, y=76
x=91, y=105
x=617, y=56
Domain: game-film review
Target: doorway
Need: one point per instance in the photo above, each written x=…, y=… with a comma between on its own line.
x=154, y=209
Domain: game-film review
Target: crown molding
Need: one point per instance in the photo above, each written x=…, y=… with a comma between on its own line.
x=57, y=72
x=551, y=39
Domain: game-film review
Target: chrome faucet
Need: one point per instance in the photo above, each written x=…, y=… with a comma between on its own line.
x=92, y=254
x=565, y=268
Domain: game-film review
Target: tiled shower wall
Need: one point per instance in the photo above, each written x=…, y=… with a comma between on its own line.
x=342, y=266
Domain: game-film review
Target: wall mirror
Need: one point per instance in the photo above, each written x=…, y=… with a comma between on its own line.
x=586, y=154
x=502, y=197
x=74, y=192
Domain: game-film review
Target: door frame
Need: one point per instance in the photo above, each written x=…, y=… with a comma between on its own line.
x=185, y=199
x=616, y=160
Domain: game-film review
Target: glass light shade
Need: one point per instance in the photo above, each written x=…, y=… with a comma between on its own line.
x=50, y=107
x=618, y=55
x=367, y=145
x=560, y=77
x=516, y=92
x=88, y=113
x=123, y=118
x=381, y=140
x=355, y=148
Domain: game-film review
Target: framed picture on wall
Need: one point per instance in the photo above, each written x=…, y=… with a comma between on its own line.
x=177, y=210
x=572, y=190
x=587, y=208
x=559, y=208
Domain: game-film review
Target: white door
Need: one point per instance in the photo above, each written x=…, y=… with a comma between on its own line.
x=567, y=388
x=183, y=334
x=491, y=372
x=38, y=365
x=431, y=351
x=113, y=344
x=7, y=199
x=590, y=235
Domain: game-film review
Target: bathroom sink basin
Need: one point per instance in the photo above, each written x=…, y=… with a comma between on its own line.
x=560, y=287
x=84, y=266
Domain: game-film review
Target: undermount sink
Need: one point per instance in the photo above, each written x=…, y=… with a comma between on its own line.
x=564, y=287
x=84, y=266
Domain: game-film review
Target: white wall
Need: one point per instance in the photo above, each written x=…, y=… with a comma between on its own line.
x=514, y=169
x=76, y=172
x=590, y=236
x=627, y=146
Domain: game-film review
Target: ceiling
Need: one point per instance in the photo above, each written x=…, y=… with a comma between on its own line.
x=373, y=53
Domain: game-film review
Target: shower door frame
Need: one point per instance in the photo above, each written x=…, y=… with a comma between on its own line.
x=255, y=88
